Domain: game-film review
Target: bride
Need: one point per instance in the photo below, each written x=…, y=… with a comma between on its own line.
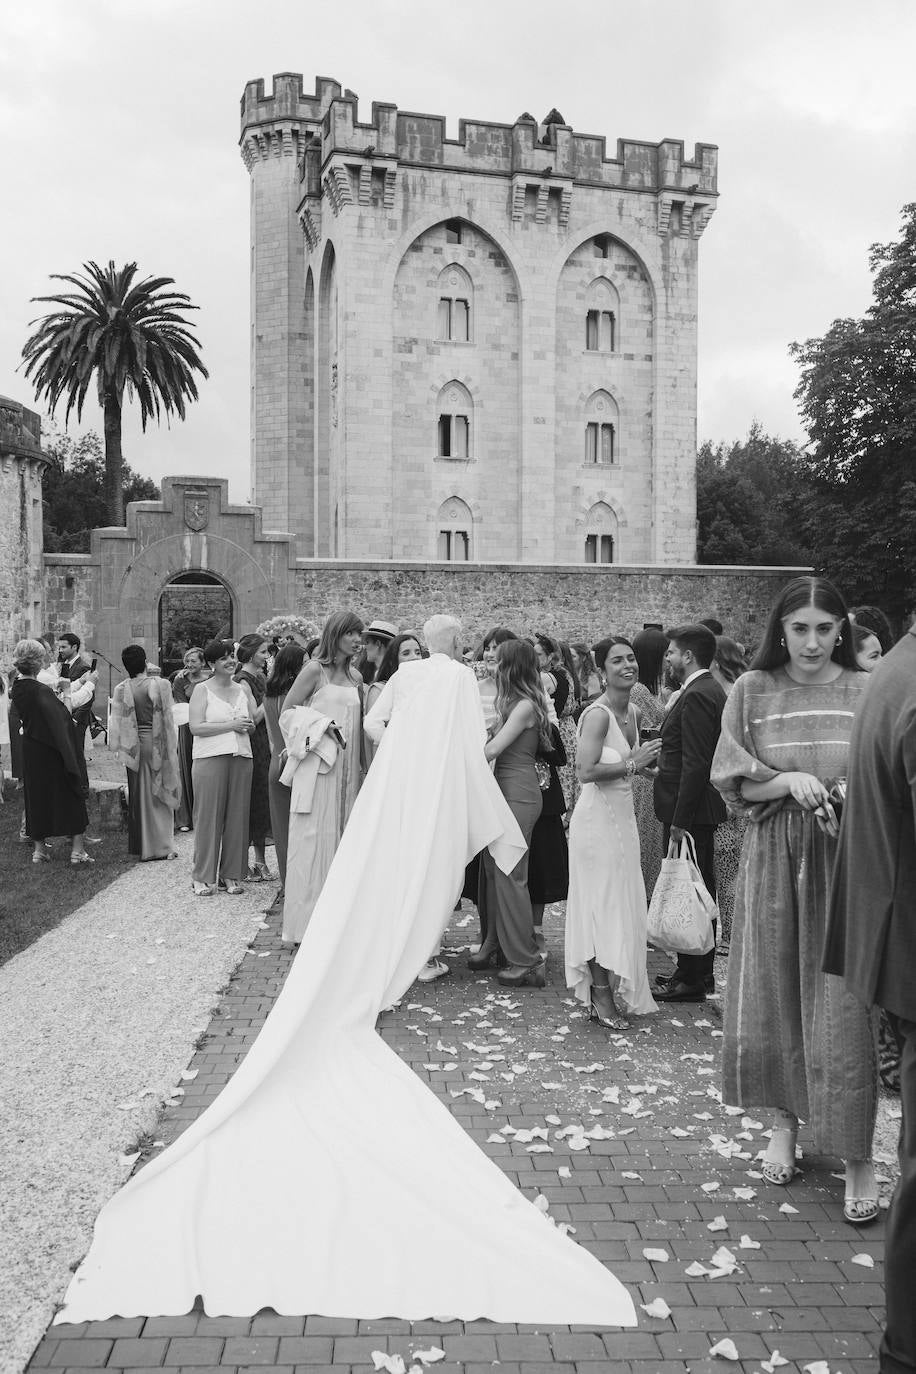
x=385, y=1207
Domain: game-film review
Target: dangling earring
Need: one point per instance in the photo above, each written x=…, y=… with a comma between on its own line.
x=839, y=640
x=782, y=641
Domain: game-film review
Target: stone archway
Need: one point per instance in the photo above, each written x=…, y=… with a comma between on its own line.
x=194, y=606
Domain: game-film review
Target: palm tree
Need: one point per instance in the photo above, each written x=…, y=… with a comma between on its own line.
x=132, y=336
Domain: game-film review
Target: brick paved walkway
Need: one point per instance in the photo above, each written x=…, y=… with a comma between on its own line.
x=670, y=1166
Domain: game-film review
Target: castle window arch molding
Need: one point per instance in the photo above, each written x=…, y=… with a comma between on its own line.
x=600, y=534
x=455, y=422
x=454, y=305
x=602, y=317
x=602, y=430
x=454, y=531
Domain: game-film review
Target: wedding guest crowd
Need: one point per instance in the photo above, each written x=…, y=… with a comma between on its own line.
x=669, y=737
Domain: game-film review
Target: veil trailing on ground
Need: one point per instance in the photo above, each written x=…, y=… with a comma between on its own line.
x=326, y=1177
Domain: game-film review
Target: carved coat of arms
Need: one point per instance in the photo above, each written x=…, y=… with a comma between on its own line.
x=196, y=510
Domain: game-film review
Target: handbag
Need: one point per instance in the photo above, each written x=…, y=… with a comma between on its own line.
x=681, y=912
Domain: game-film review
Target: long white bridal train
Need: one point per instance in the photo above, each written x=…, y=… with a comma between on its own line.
x=326, y=1177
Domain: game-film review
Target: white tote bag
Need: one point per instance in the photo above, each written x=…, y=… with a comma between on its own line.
x=681, y=912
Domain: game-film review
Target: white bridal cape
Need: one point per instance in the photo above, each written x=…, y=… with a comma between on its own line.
x=326, y=1178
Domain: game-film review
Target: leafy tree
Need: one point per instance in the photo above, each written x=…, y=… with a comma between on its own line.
x=751, y=502
x=857, y=395
x=74, y=492
x=132, y=337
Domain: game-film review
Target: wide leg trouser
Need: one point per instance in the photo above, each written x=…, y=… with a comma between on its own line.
x=222, y=792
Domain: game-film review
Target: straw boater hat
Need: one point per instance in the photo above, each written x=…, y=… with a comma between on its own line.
x=381, y=629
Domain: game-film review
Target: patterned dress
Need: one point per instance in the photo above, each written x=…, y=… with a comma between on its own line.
x=651, y=714
x=794, y=1037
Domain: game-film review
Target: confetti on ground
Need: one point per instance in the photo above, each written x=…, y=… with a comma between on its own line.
x=866, y=1261
x=661, y=1256
x=656, y=1308
x=723, y=1350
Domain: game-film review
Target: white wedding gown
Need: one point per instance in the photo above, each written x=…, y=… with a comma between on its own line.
x=326, y=1178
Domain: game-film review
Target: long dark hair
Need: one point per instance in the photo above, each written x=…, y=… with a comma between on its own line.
x=729, y=658
x=389, y=664
x=335, y=627
x=649, y=646
x=518, y=678
x=604, y=647
x=586, y=667
x=795, y=595
x=873, y=619
x=285, y=670
x=499, y=634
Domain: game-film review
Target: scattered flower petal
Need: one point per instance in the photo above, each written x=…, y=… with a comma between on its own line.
x=717, y=1224
x=661, y=1256
x=723, y=1350
x=866, y=1261
x=656, y=1308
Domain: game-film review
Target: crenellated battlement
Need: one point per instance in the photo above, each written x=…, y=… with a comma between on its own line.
x=288, y=120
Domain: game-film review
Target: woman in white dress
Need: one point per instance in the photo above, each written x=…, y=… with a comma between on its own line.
x=606, y=909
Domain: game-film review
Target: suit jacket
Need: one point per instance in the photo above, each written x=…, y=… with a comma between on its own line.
x=75, y=668
x=683, y=794
x=871, y=924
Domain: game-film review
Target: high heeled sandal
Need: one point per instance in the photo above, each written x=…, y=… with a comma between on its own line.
x=870, y=1205
x=616, y=1022
x=83, y=858
x=777, y=1171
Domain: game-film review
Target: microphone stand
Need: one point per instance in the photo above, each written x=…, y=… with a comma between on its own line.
x=96, y=653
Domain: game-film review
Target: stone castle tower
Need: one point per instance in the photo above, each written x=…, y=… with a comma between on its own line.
x=482, y=348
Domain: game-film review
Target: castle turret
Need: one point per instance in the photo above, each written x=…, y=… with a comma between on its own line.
x=22, y=466
x=276, y=130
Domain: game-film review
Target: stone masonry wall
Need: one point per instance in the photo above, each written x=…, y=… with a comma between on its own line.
x=571, y=602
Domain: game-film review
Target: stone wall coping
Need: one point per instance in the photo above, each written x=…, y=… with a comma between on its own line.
x=593, y=569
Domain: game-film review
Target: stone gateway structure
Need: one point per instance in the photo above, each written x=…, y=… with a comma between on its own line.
x=480, y=349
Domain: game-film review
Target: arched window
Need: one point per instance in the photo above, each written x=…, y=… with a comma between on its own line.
x=455, y=296
x=600, y=534
x=454, y=428
x=602, y=317
x=601, y=440
x=455, y=526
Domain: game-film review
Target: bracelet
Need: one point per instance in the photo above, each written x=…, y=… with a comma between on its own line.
x=630, y=768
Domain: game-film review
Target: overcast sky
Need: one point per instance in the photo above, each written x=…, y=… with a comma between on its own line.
x=119, y=124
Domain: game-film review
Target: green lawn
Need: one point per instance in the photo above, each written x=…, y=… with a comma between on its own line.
x=36, y=897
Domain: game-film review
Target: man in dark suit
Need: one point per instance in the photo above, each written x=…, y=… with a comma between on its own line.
x=871, y=938
x=685, y=800
x=73, y=667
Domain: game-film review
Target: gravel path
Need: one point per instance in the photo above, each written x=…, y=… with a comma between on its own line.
x=97, y=1020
